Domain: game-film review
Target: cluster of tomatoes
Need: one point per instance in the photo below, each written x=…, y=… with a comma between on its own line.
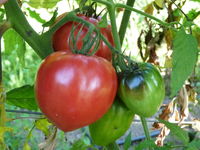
x=76, y=90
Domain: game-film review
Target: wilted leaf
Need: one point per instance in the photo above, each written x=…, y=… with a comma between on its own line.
x=168, y=62
x=149, y=9
x=14, y=42
x=182, y=100
x=2, y=2
x=159, y=3
x=184, y=57
x=196, y=125
x=50, y=142
x=176, y=131
x=168, y=38
x=22, y=97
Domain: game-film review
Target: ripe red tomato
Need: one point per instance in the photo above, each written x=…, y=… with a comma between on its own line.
x=61, y=37
x=74, y=90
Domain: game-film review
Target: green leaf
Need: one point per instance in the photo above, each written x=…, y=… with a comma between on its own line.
x=104, y=22
x=127, y=142
x=79, y=145
x=145, y=144
x=112, y=146
x=43, y=3
x=43, y=125
x=52, y=20
x=14, y=42
x=194, y=145
x=35, y=15
x=184, y=57
x=176, y=131
x=22, y=97
x=195, y=0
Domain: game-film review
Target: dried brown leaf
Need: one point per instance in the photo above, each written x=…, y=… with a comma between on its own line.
x=182, y=100
x=149, y=9
x=50, y=142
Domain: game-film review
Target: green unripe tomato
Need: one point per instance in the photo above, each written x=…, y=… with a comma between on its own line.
x=112, y=125
x=142, y=90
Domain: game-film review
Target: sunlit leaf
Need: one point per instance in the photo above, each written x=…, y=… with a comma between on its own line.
x=43, y=125
x=22, y=97
x=43, y=3
x=14, y=42
x=184, y=57
x=35, y=15
x=104, y=22
x=176, y=131
x=159, y=3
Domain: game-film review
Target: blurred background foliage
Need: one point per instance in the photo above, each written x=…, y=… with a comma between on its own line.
x=20, y=63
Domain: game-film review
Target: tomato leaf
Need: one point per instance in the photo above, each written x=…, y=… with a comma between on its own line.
x=35, y=15
x=104, y=22
x=184, y=57
x=52, y=20
x=43, y=3
x=194, y=145
x=79, y=144
x=22, y=97
x=145, y=144
x=14, y=42
x=43, y=125
x=127, y=142
x=176, y=131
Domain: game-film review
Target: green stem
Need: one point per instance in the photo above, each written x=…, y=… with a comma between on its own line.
x=144, y=14
x=42, y=46
x=112, y=146
x=125, y=20
x=146, y=130
x=111, y=10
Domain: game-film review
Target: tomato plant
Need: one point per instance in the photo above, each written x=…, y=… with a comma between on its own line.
x=112, y=125
x=75, y=90
x=142, y=90
x=62, y=36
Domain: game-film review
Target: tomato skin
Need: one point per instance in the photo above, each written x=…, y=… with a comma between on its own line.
x=112, y=125
x=61, y=37
x=75, y=90
x=143, y=90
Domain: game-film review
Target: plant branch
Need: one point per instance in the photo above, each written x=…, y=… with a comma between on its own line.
x=146, y=130
x=42, y=46
x=125, y=20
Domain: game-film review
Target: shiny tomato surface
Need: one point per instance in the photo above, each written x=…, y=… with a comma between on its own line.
x=62, y=35
x=74, y=90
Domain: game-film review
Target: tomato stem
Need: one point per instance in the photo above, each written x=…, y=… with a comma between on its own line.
x=42, y=46
x=146, y=130
x=168, y=25
x=125, y=20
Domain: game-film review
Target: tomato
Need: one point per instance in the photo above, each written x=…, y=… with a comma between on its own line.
x=62, y=35
x=142, y=90
x=112, y=125
x=75, y=90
